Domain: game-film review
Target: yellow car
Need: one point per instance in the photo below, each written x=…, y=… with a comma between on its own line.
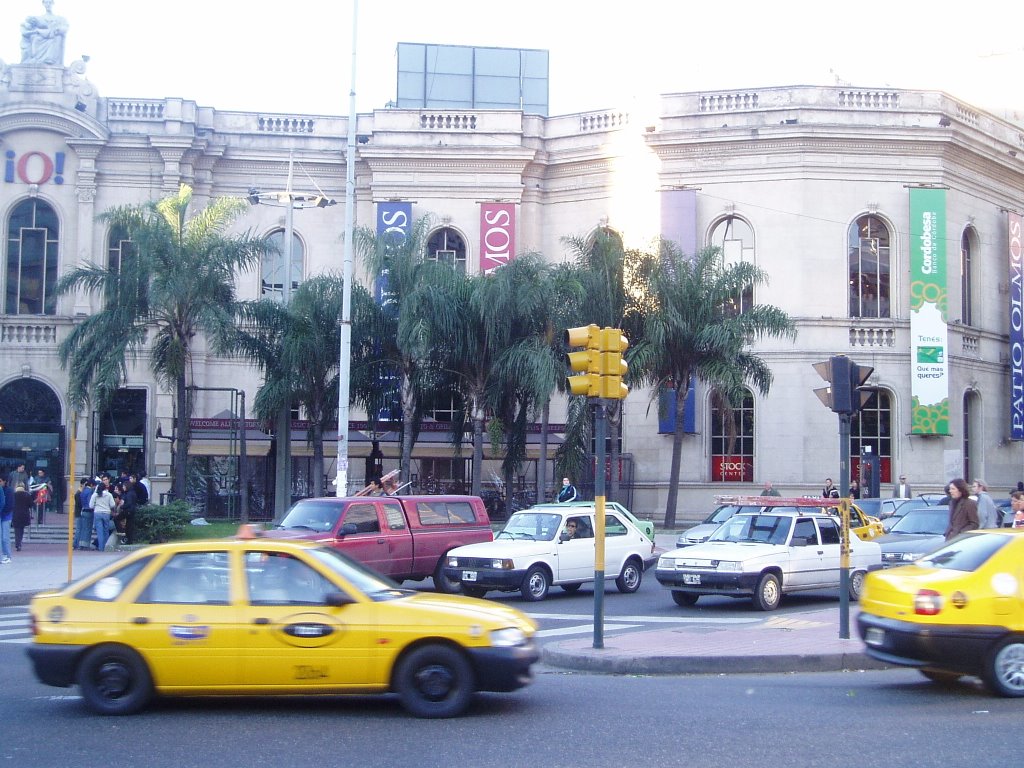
x=956, y=611
x=264, y=616
x=864, y=527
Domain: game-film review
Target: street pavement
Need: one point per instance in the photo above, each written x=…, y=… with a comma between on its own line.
x=804, y=642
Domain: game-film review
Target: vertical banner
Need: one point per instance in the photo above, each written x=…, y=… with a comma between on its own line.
x=394, y=219
x=497, y=235
x=1016, y=328
x=929, y=374
x=679, y=218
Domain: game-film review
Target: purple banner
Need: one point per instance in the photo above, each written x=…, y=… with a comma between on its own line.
x=1016, y=251
x=679, y=218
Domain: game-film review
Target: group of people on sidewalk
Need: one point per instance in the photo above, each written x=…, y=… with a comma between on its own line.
x=21, y=495
x=105, y=509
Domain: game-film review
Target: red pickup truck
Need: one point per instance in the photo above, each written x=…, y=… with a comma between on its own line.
x=404, y=537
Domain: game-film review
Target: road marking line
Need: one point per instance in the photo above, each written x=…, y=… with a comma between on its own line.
x=17, y=641
x=644, y=619
x=582, y=628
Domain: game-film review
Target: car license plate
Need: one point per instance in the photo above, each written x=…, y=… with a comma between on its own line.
x=874, y=636
x=469, y=575
x=691, y=578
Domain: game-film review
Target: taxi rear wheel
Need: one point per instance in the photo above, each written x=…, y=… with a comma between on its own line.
x=114, y=680
x=1004, y=668
x=434, y=681
x=629, y=580
x=768, y=593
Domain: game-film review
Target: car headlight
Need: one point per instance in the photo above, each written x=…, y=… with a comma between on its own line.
x=729, y=565
x=667, y=562
x=502, y=564
x=453, y=562
x=509, y=637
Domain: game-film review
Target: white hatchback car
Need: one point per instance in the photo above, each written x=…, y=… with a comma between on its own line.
x=764, y=555
x=551, y=545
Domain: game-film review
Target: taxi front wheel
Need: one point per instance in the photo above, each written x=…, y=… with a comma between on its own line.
x=434, y=681
x=114, y=680
x=1004, y=668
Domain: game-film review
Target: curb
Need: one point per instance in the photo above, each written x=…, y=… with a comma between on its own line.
x=616, y=663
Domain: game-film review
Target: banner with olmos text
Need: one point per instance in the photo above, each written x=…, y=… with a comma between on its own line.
x=1016, y=248
x=929, y=365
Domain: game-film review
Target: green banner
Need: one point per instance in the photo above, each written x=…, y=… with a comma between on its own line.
x=929, y=349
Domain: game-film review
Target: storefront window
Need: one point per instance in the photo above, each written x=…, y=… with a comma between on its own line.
x=732, y=441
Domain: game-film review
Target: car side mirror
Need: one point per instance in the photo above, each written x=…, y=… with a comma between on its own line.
x=564, y=536
x=348, y=528
x=337, y=599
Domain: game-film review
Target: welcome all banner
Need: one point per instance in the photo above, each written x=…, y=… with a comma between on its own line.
x=929, y=364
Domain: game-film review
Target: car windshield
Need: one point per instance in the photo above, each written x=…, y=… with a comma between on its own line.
x=966, y=552
x=374, y=585
x=769, y=529
x=933, y=520
x=723, y=513
x=313, y=515
x=539, y=526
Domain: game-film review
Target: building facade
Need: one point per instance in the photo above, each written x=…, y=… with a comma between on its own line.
x=822, y=187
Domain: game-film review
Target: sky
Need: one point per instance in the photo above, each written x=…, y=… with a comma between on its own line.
x=278, y=57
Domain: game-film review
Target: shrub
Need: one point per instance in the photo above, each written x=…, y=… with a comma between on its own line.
x=155, y=523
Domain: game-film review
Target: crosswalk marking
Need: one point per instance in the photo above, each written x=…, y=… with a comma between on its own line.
x=644, y=619
x=580, y=629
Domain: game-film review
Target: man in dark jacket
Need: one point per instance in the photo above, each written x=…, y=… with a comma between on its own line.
x=129, y=506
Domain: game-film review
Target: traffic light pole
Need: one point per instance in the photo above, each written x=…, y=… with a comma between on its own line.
x=600, y=431
x=844, y=512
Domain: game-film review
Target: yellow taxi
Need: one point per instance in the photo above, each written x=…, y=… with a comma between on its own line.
x=956, y=611
x=863, y=526
x=263, y=616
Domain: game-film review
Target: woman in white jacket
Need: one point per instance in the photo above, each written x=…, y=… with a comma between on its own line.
x=103, y=504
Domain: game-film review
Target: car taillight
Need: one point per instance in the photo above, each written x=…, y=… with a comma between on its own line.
x=927, y=602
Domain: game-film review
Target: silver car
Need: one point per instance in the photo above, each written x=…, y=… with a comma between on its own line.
x=698, y=534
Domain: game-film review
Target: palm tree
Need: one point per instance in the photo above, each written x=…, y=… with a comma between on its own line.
x=401, y=345
x=610, y=279
x=175, y=282
x=692, y=327
x=297, y=348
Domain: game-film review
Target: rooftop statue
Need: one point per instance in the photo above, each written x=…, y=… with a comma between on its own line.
x=42, y=38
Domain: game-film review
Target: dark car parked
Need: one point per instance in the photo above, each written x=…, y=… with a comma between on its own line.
x=914, y=534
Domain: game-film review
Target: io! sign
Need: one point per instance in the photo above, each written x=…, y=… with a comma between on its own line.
x=33, y=167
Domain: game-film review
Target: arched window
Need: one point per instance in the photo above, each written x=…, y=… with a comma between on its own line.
x=967, y=241
x=33, y=236
x=736, y=239
x=971, y=429
x=869, y=243
x=447, y=245
x=732, y=440
x=872, y=428
x=272, y=277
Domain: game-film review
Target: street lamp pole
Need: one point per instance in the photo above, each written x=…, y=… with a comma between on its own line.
x=283, y=456
x=345, y=357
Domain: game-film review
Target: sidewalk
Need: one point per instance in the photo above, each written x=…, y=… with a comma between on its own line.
x=806, y=643
x=42, y=566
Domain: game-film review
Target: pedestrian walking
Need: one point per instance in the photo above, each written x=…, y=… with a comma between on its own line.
x=963, y=510
x=18, y=476
x=42, y=491
x=21, y=517
x=829, y=491
x=988, y=515
x=6, y=513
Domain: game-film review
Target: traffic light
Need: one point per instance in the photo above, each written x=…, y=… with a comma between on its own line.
x=845, y=378
x=600, y=362
x=587, y=362
x=613, y=367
